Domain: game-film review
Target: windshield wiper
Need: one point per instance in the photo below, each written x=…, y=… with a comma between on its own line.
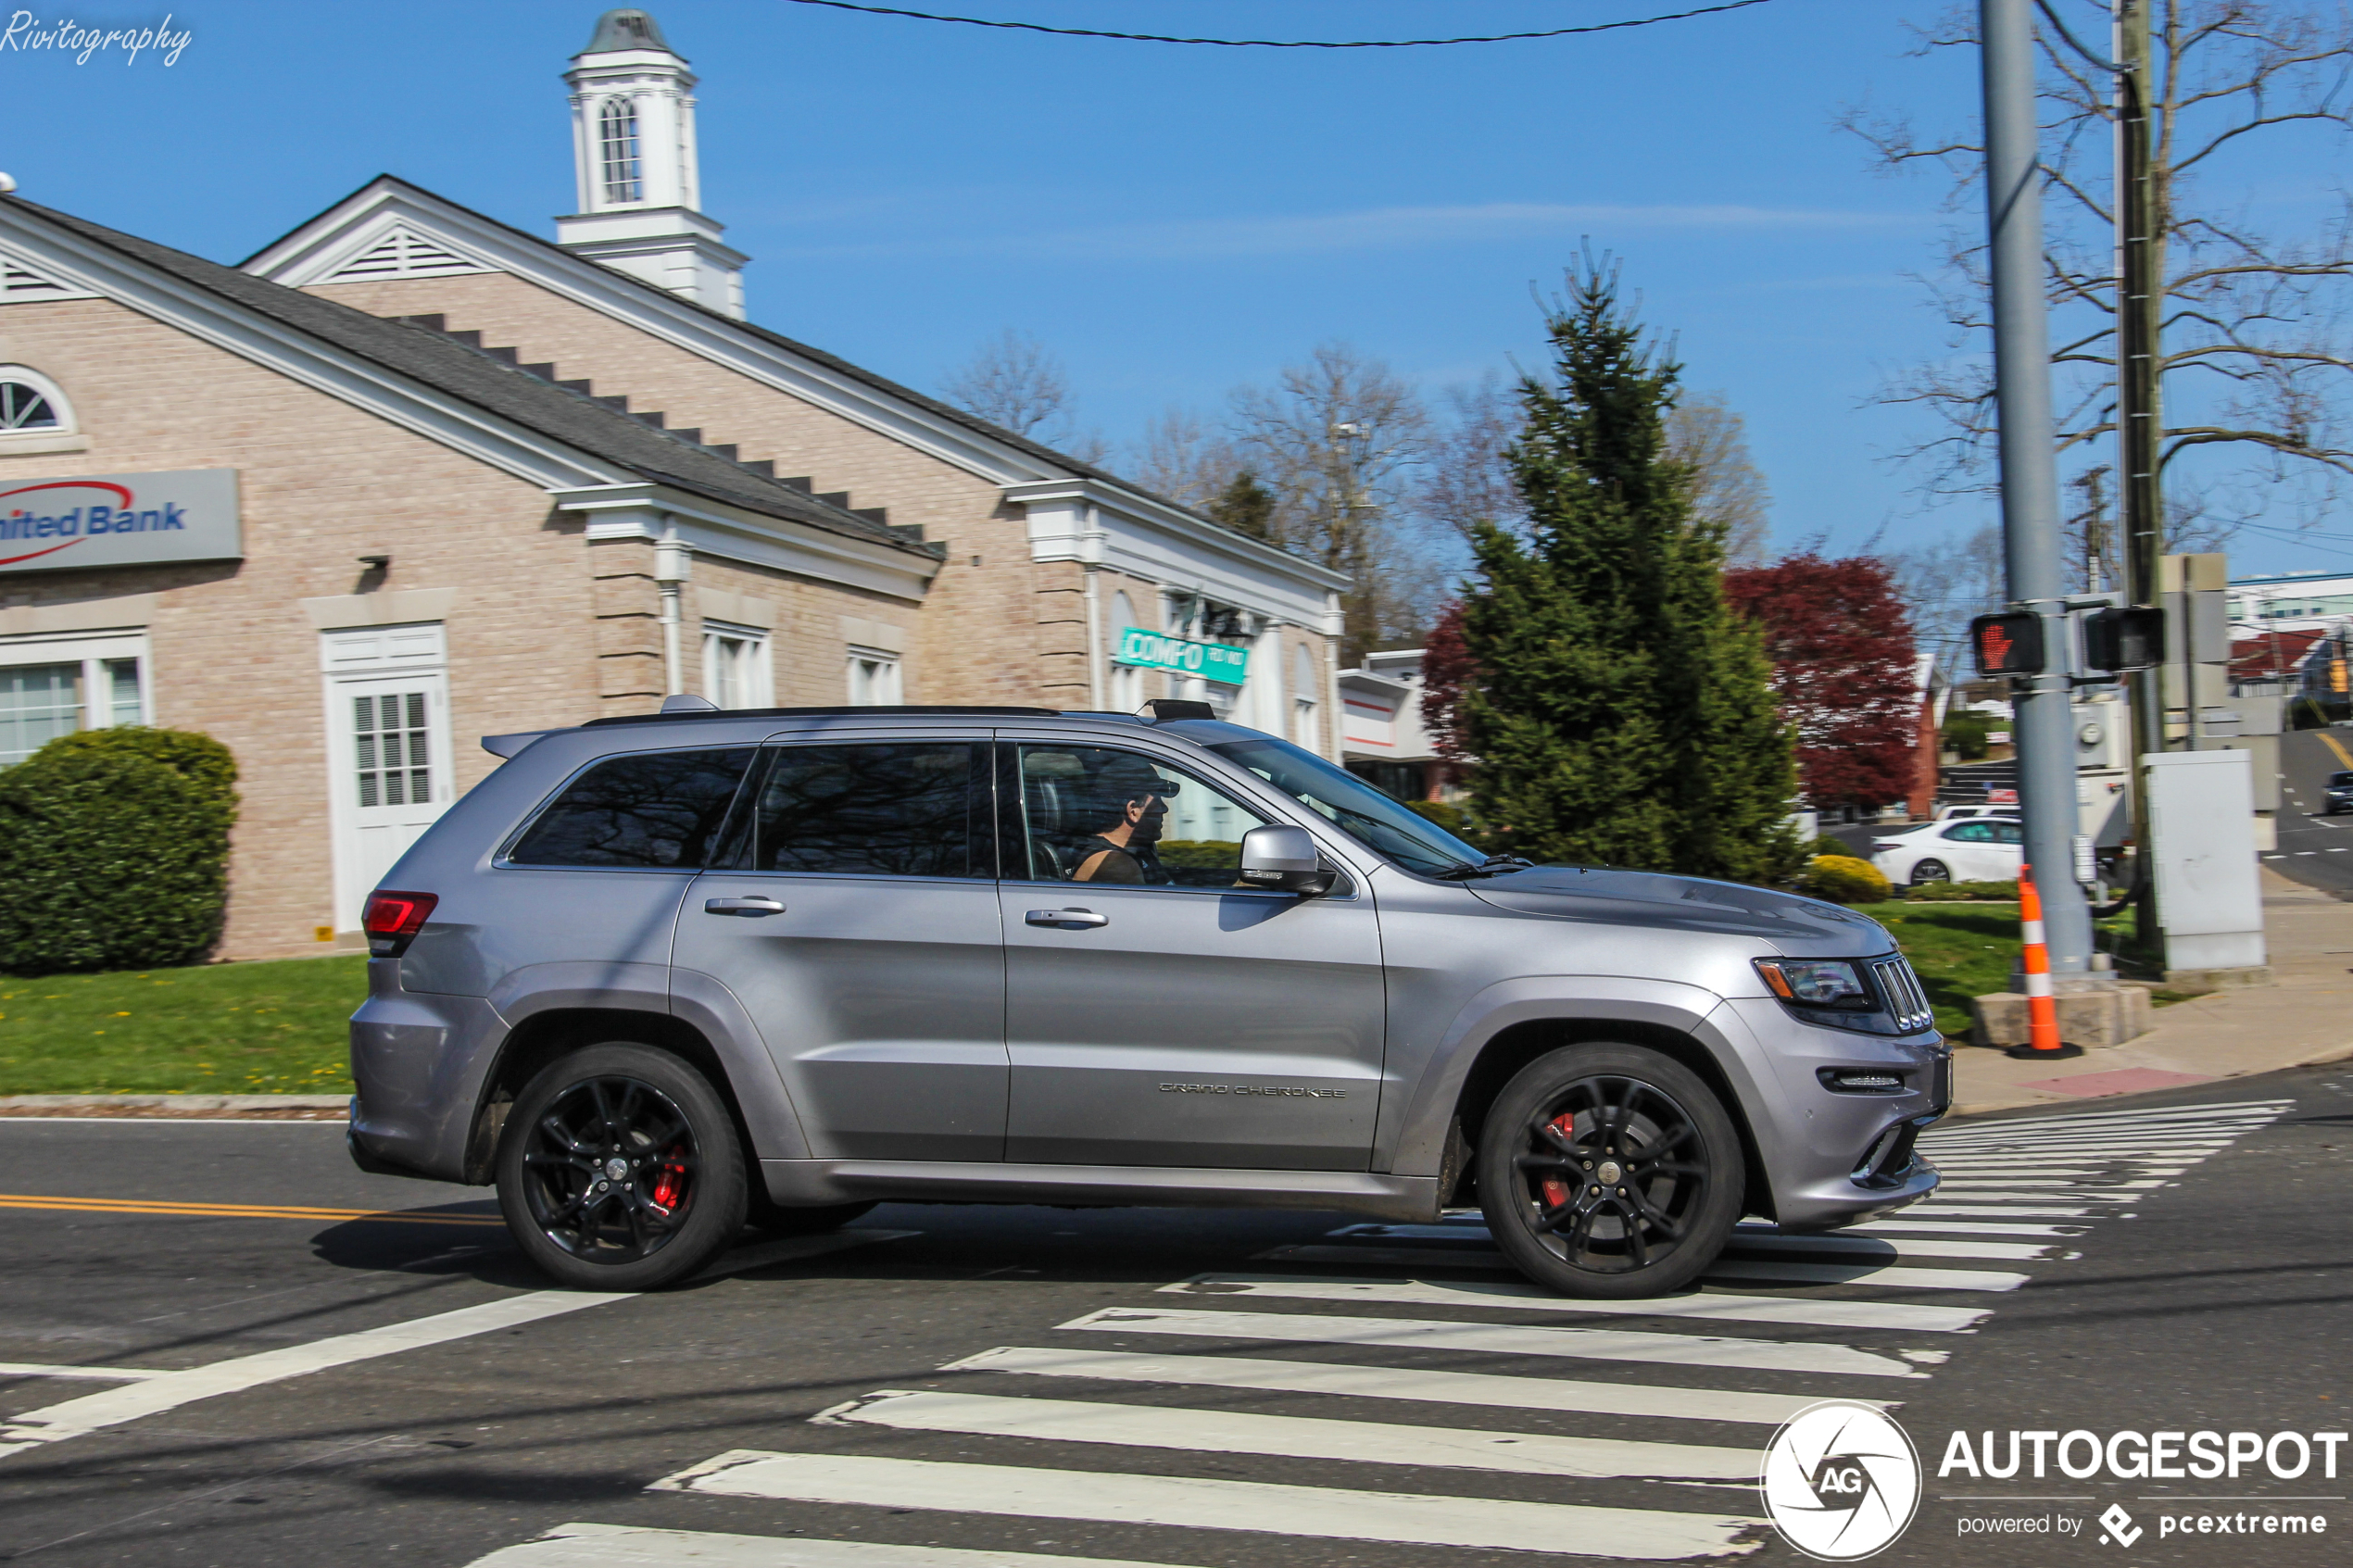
x=1495, y=865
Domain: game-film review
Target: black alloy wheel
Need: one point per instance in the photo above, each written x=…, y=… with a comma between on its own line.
x=1609, y=1171
x=1930, y=870
x=619, y=1169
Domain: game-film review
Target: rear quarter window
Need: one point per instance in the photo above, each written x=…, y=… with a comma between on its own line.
x=654, y=809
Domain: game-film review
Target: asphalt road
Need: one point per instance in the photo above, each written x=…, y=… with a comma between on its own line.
x=2314, y=848
x=364, y=1390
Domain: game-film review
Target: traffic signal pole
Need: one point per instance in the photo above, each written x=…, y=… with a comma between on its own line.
x=2139, y=429
x=2044, y=725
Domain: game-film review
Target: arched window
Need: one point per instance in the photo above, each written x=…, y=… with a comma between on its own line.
x=31, y=401
x=617, y=132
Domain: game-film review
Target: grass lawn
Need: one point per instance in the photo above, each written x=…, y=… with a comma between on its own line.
x=215, y=1029
x=1958, y=950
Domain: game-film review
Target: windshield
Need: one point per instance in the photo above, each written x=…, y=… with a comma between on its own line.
x=1378, y=821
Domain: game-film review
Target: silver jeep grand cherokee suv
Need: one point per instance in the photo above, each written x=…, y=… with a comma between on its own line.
x=658, y=977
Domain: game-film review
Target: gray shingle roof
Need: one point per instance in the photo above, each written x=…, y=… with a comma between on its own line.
x=490, y=385
x=947, y=411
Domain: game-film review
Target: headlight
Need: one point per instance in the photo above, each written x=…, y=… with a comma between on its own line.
x=1814, y=983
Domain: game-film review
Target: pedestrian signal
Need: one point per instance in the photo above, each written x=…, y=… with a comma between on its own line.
x=2120, y=639
x=2008, y=645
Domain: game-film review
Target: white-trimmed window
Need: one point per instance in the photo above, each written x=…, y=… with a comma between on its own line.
x=30, y=404
x=736, y=669
x=52, y=686
x=1303, y=698
x=875, y=678
x=617, y=137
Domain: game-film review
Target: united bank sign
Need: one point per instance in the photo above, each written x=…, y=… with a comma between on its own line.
x=110, y=519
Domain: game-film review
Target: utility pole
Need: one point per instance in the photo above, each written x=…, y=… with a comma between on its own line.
x=2030, y=470
x=2140, y=245
x=2094, y=484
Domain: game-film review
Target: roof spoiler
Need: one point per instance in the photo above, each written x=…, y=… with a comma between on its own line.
x=504, y=747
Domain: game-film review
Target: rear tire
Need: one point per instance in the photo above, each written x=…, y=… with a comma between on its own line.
x=1611, y=1172
x=1930, y=870
x=619, y=1169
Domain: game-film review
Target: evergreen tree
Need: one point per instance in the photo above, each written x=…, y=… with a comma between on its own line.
x=1622, y=714
x=1245, y=506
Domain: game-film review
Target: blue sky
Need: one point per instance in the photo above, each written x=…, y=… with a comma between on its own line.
x=1170, y=221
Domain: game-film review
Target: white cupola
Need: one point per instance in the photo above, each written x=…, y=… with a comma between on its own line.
x=633, y=150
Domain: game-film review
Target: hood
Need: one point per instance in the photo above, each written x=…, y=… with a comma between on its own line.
x=1602, y=897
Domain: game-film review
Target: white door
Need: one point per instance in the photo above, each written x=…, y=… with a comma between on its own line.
x=389, y=755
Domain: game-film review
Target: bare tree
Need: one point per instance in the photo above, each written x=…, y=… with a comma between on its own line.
x=1185, y=459
x=1945, y=583
x=1012, y=381
x=1467, y=479
x=1702, y=431
x=1339, y=440
x=2255, y=363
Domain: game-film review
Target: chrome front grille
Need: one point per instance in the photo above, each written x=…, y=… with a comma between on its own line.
x=1904, y=998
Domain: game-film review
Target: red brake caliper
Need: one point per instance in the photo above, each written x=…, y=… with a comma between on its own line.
x=670, y=1184
x=1556, y=1188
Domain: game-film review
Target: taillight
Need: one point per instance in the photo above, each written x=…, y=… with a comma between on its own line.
x=392, y=920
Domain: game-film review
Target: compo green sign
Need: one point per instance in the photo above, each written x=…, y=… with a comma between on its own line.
x=1152, y=650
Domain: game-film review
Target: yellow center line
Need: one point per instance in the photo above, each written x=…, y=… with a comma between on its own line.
x=234, y=1211
x=2336, y=745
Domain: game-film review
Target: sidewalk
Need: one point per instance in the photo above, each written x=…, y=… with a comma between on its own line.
x=2305, y=1016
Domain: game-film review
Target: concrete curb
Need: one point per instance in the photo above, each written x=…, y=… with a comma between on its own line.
x=293, y=1107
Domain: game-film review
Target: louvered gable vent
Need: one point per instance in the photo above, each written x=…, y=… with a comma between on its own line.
x=403, y=254
x=20, y=285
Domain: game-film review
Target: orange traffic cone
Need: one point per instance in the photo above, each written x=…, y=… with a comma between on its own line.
x=2042, y=1013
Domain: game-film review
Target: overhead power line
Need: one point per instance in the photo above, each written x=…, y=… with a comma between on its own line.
x=1283, y=43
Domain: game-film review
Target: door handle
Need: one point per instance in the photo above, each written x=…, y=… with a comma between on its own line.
x=753, y=907
x=1065, y=918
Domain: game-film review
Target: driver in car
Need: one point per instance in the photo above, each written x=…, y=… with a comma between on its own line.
x=1129, y=804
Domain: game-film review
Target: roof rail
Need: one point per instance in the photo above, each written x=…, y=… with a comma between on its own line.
x=820, y=713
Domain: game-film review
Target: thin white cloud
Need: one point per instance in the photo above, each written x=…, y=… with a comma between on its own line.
x=1387, y=228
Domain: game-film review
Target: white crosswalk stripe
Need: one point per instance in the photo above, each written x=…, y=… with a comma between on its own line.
x=1518, y=1296
x=1233, y=1432
x=1512, y=1339
x=1325, y=1512
x=1351, y=1381
x=1411, y=1393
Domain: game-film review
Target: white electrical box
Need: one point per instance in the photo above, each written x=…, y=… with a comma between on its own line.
x=2209, y=897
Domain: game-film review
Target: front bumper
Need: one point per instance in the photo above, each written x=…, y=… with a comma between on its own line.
x=1831, y=1158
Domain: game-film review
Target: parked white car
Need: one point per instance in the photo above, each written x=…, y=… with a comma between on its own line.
x=1958, y=813
x=1962, y=849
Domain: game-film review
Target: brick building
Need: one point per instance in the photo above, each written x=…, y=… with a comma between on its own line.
x=410, y=475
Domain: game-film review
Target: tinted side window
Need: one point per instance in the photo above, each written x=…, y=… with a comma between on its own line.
x=654, y=808
x=2009, y=833
x=1972, y=832
x=881, y=810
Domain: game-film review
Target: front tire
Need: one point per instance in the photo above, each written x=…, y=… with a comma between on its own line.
x=1611, y=1172
x=1924, y=871
x=619, y=1169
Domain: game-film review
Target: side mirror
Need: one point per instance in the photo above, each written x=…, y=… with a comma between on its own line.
x=1284, y=859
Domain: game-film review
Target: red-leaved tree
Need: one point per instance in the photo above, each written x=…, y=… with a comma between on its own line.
x=1843, y=673
x=1447, y=669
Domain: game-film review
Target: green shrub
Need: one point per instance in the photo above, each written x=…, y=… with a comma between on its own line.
x=1962, y=892
x=1826, y=845
x=1843, y=879
x=1200, y=854
x=1965, y=733
x=114, y=848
